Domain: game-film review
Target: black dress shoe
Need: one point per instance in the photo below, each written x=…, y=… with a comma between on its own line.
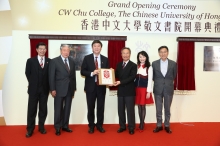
x=157, y=129
x=42, y=131
x=91, y=130
x=131, y=132
x=58, y=133
x=101, y=129
x=168, y=130
x=29, y=134
x=120, y=130
x=67, y=130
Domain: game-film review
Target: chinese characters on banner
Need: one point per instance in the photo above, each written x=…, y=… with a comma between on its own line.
x=147, y=25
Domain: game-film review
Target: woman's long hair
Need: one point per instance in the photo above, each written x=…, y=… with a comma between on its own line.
x=147, y=62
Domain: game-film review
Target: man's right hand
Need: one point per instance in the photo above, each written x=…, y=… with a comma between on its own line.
x=53, y=93
x=96, y=72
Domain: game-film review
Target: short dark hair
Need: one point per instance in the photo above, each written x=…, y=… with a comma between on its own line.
x=97, y=41
x=126, y=48
x=161, y=47
x=41, y=44
x=147, y=62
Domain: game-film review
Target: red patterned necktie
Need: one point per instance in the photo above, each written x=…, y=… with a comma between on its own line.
x=123, y=65
x=41, y=62
x=97, y=67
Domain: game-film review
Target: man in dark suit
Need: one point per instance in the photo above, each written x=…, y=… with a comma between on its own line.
x=89, y=69
x=164, y=73
x=38, y=89
x=62, y=79
x=126, y=72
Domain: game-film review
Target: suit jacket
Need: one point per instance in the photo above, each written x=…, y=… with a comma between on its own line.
x=87, y=67
x=126, y=76
x=164, y=83
x=60, y=78
x=31, y=72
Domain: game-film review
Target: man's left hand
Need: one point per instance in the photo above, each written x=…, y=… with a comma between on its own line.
x=117, y=83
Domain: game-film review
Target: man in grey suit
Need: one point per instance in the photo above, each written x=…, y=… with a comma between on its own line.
x=62, y=80
x=164, y=73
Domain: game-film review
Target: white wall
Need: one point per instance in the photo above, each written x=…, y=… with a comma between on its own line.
x=201, y=107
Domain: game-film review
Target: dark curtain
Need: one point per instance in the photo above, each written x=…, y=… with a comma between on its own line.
x=34, y=42
x=185, y=79
x=114, y=54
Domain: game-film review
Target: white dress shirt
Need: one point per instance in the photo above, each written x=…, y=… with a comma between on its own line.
x=126, y=62
x=39, y=59
x=67, y=60
x=163, y=66
x=99, y=64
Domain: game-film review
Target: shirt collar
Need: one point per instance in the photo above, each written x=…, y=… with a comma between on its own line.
x=126, y=61
x=64, y=58
x=161, y=61
x=39, y=57
x=143, y=66
x=96, y=56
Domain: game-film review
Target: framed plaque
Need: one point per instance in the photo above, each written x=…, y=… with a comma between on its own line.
x=106, y=76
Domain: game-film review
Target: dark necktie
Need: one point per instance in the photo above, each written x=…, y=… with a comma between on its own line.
x=97, y=67
x=67, y=67
x=123, y=65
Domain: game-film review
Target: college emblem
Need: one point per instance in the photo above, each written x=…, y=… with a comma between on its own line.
x=106, y=74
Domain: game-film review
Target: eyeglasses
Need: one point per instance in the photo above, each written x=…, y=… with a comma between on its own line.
x=41, y=49
x=163, y=52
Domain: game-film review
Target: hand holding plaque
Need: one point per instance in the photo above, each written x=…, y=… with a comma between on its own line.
x=106, y=76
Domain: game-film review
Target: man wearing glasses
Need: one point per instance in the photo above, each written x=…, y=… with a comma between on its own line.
x=38, y=89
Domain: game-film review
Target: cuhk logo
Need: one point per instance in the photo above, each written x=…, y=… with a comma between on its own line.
x=106, y=74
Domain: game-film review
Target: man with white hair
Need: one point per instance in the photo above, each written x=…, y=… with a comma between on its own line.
x=62, y=80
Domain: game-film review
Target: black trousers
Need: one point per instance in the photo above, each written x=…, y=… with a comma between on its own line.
x=99, y=94
x=33, y=101
x=128, y=103
x=62, y=108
